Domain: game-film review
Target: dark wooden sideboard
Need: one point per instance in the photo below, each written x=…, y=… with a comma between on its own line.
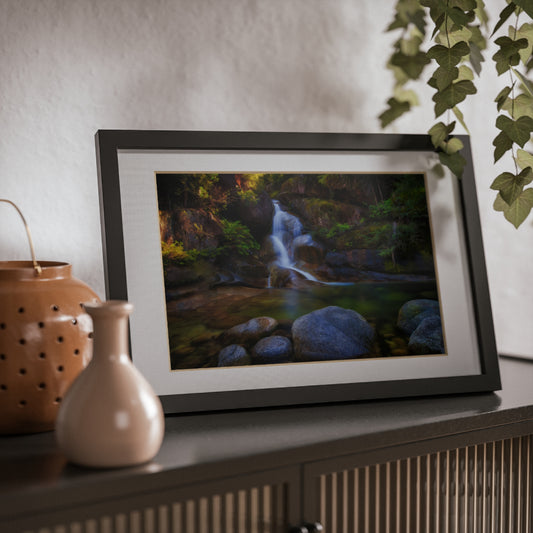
x=456, y=463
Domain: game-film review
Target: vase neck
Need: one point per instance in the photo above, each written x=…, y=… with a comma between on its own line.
x=110, y=322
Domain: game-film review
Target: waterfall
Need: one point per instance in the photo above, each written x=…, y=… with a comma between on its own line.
x=285, y=228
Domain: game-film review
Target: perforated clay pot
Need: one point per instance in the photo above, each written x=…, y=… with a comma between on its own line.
x=45, y=341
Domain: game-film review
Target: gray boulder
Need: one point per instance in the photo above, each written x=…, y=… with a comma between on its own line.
x=427, y=337
x=413, y=312
x=250, y=332
x=331, y=333
x=275, y=349
x=233, y=355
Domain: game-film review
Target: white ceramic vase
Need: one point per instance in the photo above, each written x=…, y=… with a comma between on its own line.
x=110, y=416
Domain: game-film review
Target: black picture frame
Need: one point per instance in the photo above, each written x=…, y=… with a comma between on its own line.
x=111, y=145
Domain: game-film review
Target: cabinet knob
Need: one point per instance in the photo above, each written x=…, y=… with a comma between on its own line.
x=308, y=527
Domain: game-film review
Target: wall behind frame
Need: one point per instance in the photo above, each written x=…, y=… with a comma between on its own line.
x=70, y=68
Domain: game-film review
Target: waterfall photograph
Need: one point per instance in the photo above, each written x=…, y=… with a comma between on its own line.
x=290, y=268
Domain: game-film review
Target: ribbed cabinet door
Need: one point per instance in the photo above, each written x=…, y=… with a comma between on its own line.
x=264, y=502
x=483, y=488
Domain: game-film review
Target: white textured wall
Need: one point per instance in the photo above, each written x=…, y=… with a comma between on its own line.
x=71, y=67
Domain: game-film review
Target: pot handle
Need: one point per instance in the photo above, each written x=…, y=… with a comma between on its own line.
x=36, y=265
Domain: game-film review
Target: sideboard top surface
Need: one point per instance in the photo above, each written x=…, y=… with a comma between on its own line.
x=204, y=446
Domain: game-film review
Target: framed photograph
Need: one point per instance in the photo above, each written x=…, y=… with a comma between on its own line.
x=270, y=269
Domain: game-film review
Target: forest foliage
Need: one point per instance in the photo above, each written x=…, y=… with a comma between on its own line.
x=216, y=216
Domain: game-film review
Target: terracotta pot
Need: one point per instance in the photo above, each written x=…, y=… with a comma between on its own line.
x=110, y=417
x=45, y=341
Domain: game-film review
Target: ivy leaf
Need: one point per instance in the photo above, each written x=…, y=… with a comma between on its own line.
x=508, y=54
x=453, y=37
x=502, y=144
x=408, y=12
x=443, y=77
x=519, y=130
x=526, y=5
x=439, y=132
x=452, y=95
x=502, y=97
x=411, y=47
x=465, y=73
x=455, y=162
x=396, y=109
x=406, y=95
x=500, y=204
x=519, y=210
x=439, y=9
x=453, y=145
x=524, y=32
x=476, y=58
x=524, y=159
x=521, y=106
x=511, y=185
x=446, y=57
x=504, y=16
x=411, y=65
x=525, y=82
x=460, y=117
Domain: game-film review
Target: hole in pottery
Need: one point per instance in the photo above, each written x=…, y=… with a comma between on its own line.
x=60, y=368
x=91, y=335
x=22, y=341
x=3, y=325
x=60, y=339
x=21, y=309
x=41, y=324
x=22, y=403
x=2, y=356
x=22, y=371
x=54, y=308
x=57, y=400
x=76, y=352
x=41, y=386
x=74, y=321
x=3, y=387
x=42, y=355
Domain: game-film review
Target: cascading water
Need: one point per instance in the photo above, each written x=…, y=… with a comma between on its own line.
x=285, y=228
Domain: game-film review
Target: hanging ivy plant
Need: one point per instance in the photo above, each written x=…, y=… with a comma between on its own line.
x=458, y=39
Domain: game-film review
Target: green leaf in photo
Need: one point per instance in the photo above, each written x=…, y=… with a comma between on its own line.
x=511, y=185
x=526, y=5
x=452, y=37
x=444, y=77
x=521, y=106
x=411, y=47
x=519, y=130
x=452, y=95
x=406, y=95
x=455, y=162
x=504, y=16
x=395, y=110
x=465, y=73
x=502, y=97
x=525, y=82
x=476, y=57
x=524, y=159
x=500, y=204
x=439, y=133
x=524, y=32
x=453, y=145
x=519, y=210
x=411, y=65
x=502, y=144
x=446, y=57
x=460, y=117
x=508, y=54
